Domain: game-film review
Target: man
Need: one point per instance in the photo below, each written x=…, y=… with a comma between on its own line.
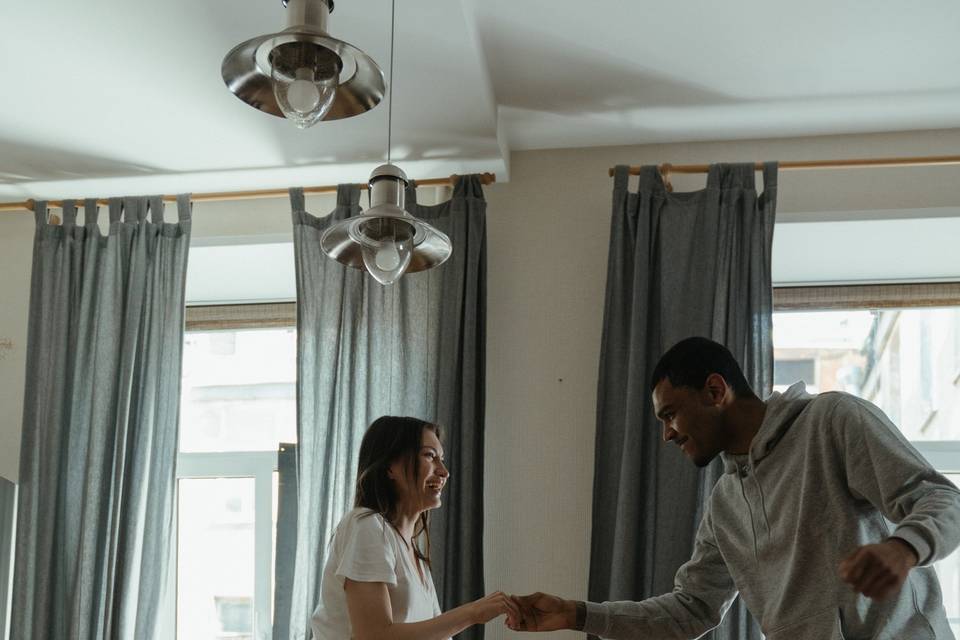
x=826, y=520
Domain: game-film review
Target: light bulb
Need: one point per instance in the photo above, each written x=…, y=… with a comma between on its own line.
x=387, y=257
x=305, y=93
x=302, y=94
x=387, y=249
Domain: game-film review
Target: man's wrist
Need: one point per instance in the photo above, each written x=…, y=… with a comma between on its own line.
x=579, y=615
x=903, y=544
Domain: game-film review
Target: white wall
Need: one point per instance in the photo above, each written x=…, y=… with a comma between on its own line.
x=547, y=245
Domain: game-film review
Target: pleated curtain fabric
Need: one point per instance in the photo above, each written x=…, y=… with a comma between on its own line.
x=680, y=265
x=97, y=485
x=415, y=348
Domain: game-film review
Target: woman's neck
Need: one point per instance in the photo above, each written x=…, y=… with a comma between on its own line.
x=405, y=520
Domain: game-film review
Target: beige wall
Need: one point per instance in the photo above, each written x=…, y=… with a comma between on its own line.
x=16, y=248
x=548, y=229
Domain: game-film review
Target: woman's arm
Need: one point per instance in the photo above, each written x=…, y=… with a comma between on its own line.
x=371, y=617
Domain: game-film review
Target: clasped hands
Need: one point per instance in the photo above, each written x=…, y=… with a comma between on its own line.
x=535, y=612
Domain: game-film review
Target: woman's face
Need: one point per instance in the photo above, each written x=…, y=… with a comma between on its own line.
x=422, y=491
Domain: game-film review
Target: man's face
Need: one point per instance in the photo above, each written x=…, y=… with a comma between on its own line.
x=691, y=418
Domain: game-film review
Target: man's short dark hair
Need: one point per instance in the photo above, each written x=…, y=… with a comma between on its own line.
x=691, y=361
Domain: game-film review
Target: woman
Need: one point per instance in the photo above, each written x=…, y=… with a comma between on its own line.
x=376, y=582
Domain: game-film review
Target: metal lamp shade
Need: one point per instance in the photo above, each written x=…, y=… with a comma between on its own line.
x=247, y=69
x=344, y=241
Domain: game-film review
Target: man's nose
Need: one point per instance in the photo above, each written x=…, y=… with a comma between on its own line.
x=668, y=434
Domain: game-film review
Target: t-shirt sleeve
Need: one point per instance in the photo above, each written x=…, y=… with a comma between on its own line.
x=368, y=555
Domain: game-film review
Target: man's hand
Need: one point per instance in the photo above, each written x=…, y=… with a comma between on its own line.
x=544, y=612
x=878, y=570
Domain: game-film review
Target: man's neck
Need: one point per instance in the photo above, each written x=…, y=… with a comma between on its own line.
x=745, y=416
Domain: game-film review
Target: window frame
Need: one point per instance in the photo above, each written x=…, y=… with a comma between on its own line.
x=258, y=465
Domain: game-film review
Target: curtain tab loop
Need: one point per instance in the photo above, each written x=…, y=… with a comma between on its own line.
x=297, y=203
x=621, y=177
x=91, y=211
x=348, y=195
x=184, y=207
x=469, y=186
x=115, y=209
x=156, y=206
x=770, y=170
x=40, y=212
x=69, y=213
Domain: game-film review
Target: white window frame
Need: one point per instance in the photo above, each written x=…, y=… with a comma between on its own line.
x=943, y=455
x=259, y=465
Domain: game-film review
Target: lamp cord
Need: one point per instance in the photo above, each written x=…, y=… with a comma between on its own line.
x=393, y=24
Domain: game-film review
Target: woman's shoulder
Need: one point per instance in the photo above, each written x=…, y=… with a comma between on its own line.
x=361, y=519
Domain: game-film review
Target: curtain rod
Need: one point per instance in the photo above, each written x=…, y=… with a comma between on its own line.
x=27, y=205
x=667, y=168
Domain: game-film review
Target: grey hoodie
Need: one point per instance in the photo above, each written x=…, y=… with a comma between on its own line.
x=824, y=475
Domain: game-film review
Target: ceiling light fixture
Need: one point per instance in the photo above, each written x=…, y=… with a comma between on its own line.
x=302, y=73
x=385, y=239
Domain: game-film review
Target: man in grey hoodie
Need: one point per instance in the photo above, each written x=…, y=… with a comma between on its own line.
x=826, y=520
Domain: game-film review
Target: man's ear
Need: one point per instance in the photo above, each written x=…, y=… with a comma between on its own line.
x=716, y=388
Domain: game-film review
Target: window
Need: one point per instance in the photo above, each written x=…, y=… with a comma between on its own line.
x=238, y=403
x=892, y=348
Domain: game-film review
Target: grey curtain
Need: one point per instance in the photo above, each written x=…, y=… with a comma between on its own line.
x=413, y=348
x=8, y=496
x=680, y=264
x=97, y=466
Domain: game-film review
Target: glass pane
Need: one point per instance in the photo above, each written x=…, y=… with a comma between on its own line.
x=238, y=390
x=948, y=570
x=906, y=361
x=215, y=561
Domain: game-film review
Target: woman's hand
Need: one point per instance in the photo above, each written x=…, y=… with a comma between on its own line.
x=496, y=604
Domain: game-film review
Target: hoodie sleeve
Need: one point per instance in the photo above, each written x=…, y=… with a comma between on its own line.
x=703, y=591
x=884, y=468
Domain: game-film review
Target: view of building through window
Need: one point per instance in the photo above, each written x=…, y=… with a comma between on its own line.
x=238, y=404
x=906, y=361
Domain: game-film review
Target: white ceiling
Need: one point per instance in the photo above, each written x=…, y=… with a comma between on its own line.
x=106, y=97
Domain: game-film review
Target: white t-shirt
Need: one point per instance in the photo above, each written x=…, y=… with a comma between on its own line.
x=367, y=549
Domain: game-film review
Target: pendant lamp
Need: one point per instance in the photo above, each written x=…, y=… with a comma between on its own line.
x=302, y=73
x=385, y=239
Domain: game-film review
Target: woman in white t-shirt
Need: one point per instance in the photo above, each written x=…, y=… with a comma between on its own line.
x=376, y=582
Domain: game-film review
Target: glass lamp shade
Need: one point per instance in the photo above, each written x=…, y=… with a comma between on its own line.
x=305, y=79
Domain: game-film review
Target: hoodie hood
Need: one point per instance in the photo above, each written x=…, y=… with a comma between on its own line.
x=782, y=411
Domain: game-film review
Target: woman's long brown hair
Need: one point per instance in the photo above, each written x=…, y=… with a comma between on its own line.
x=387, y=440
